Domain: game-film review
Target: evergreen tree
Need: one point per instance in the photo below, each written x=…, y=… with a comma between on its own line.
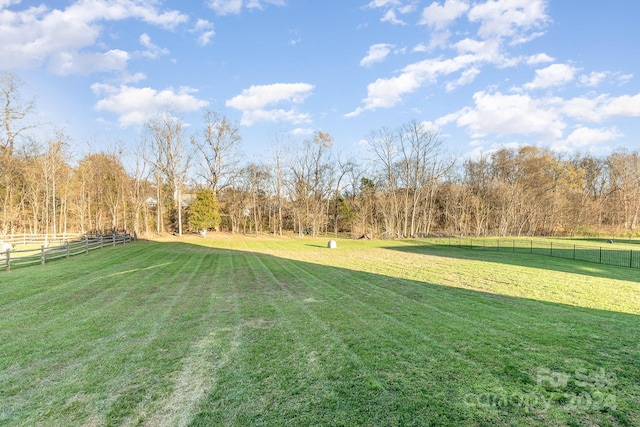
x=204, y=212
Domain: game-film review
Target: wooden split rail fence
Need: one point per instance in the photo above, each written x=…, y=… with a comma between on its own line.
x=55, y=248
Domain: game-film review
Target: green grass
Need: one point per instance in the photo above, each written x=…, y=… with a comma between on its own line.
x=282, y=331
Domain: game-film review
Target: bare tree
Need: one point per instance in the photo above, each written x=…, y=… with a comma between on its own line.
x=383, y=145
x=218, y=151
x=14, y=113
x=255, y=178
x=624, y=177
x=168, y=157
x=311, y=182
x=56, y=176
x=139, y=192
x=409, y=166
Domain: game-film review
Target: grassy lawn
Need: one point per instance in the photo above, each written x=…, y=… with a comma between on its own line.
x=282, y=331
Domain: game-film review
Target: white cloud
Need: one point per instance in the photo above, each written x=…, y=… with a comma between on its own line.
x=65, y=63
x=253, y=103
x=538, y=59
x=499, y=21
x=377, y=53
x=552, y=76
x=583, y=136
x=391, y=17
x=600, y=108
x=468, y=76
x=508, y=18
x=386, y=93
x=205, y=32
x=393, y=8
x=259, y=4
x=625, y=78
x=64, y=39
x=251, y=117
x=625, y=105
x=117, y=10
x=584, y=109
x=500, y=114
x=234, y=7
x=226, y=7
x=439, y=39
x=152, y=51
x=303, y=131
x=594, y=78
x=205, y=38
x=420, y=48
x=135, y=105
x=485, y=50
x=440, y=16
x=383, y=3
x=257, y=97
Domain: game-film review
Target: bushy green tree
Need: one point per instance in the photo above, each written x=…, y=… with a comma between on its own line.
x=204, y=212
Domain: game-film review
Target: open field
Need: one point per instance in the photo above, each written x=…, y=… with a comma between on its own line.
x=282, y=331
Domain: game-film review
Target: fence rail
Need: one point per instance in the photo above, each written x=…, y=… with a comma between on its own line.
x=48, y=251
x=594, y=254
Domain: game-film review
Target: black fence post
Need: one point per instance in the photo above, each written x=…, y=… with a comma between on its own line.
x=631, y=258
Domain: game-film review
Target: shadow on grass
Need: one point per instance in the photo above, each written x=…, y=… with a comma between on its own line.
x=267, y=340
x=567, y=260
x=407, y=345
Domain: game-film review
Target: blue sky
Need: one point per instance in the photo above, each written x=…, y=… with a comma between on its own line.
x=484, y=74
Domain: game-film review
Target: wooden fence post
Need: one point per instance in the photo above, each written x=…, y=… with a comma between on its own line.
x=86, y=245
x=101, y=242
x=42, y=254
x=8, y=254
x=113, y=238
x=67, y=247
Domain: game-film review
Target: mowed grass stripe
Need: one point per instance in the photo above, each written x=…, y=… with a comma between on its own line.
x=127, y=327
x=285, y=332
x=368, y=332
x=350, y=317
x=198, y=374
x=537, y=340
x=274, y=332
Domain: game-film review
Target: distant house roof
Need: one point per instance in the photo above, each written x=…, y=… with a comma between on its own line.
x=186, y=200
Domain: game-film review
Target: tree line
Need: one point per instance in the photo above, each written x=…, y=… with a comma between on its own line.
x=407, y=186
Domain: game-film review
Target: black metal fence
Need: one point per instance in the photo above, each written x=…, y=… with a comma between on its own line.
x=596, y=254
